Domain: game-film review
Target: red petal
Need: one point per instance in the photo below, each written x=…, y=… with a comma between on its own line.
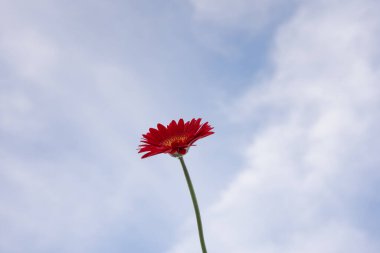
x=181, y=126
x=154, y=152
x=156, y=134
x=162, y=129
x=172, y=127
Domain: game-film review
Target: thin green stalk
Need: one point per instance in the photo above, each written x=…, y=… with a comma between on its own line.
x=195, y=203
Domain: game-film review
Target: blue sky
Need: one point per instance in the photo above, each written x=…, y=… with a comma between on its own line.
x=291, y=88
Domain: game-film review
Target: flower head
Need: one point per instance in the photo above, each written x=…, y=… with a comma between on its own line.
x=175, y=139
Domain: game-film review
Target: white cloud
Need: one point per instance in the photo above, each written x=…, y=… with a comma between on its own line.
x=29, y=51
x=312, y=161
x=68, y=126
x=226, y=26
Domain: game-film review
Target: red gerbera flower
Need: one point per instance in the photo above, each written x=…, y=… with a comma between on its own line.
x=175, y=139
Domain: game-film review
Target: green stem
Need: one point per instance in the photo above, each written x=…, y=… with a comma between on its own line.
x=195, y=203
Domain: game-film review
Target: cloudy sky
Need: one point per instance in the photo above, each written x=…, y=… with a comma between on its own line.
x=291, y=87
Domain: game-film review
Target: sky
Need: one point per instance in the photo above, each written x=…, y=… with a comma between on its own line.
x=290, y=87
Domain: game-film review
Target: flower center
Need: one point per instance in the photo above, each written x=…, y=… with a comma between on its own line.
x=174, y=140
